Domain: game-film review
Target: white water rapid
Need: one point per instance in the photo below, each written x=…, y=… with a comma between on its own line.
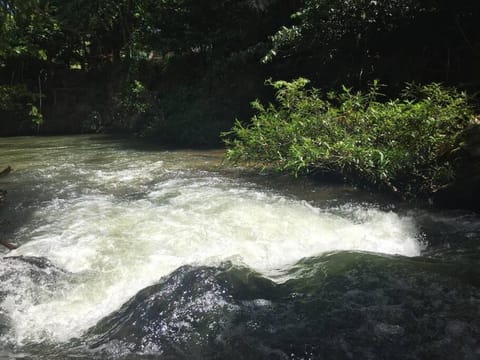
x=115, y=242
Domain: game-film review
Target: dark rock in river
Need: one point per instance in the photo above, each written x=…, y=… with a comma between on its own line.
x=344, y=306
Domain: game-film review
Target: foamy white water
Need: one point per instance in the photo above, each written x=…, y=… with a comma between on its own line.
x=115, y=245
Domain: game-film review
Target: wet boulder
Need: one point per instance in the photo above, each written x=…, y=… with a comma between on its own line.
x=344, y=306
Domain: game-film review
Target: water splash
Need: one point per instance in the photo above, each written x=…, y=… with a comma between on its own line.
x=121, y=221
x=120, y=246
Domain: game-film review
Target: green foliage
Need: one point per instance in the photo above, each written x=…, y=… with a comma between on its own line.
x=327, y=24
x=137, y=110
x=18, y=100
x=135, y=98
x=99, y=32
x=194, y=116
x=400, y=144
x=26, y=27
x=395, y=40
x=212, y=28
x=12, y=98
x=97, y=47
x=187, y=115
x=18, y=111
x=191, y=51
x=36, y=115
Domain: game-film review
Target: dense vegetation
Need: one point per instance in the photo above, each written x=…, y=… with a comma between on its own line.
x=79, y=65
x=181, y=72
x=401, y=145
x=178, y=70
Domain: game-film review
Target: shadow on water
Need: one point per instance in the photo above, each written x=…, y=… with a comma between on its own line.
x=337, y=306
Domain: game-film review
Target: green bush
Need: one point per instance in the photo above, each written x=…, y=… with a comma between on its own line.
x=400, y=145
x=185, y=116
x=137, y=110
x=18, y=101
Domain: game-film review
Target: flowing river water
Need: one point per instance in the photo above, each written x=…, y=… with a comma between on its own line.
x=132, y=252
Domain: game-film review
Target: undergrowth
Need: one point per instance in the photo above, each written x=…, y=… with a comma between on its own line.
x=400, y=145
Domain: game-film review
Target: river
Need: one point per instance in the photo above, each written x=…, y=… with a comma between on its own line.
x=129, y=251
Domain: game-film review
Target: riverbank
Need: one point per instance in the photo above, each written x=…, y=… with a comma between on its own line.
x=418, y=146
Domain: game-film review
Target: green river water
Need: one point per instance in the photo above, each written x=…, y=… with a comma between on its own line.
x=130, y=251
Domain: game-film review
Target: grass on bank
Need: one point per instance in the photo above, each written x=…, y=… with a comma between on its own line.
x=400, y=145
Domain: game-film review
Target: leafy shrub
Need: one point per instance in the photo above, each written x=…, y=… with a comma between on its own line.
x=138, y=109
x=399, y=145
x=18, y=101
x=183, y=116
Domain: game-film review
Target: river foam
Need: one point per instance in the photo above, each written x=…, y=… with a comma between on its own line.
x=118, y=219
x=117, y=246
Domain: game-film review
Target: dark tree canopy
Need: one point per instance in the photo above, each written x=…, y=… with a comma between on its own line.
x=395, y=40
x=216, y=53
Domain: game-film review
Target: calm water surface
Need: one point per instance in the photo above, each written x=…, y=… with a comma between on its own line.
x=128, y=251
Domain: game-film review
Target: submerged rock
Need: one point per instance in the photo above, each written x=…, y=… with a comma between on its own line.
x=353, y=306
